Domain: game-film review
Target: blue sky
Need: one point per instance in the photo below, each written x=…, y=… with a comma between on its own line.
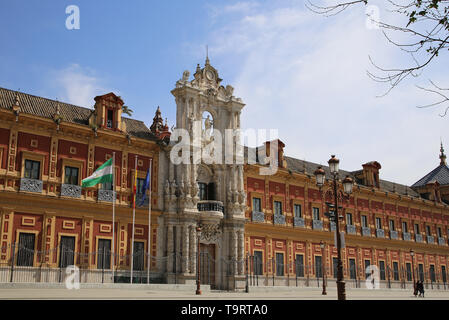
x=297, y=72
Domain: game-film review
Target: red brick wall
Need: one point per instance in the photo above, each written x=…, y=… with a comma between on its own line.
x=64, y=152
x=4, y=142
x=24, y=144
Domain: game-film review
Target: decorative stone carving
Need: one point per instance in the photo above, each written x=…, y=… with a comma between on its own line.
x=210, y=232
x=70, y=190
x=229, y=91
x=185, y=76
x=257, y=216
x=31, y=185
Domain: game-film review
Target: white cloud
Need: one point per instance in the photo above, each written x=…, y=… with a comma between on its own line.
x=78, y=85
x=306, y=75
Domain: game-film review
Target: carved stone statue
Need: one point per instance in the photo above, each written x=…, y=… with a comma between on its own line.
x=229, y=90
x=185, y=76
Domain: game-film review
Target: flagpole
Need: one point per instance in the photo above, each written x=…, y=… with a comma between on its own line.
x=113, y=215
x=149, y=221
x=134, y=215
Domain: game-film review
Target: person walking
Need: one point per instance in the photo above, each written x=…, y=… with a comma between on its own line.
x=420, y=288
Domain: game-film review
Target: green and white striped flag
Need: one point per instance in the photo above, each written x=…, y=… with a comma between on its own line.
x=101, y=175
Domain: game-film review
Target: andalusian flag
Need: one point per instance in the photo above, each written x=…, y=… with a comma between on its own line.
x=101, y=175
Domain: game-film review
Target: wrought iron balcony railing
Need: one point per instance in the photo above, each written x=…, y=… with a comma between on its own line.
x=139, y=200
x=418, y=237
x=105, y=195
x=210, y=205
x=366, y=231
x=279, y=219
x=299, y=222
x=333, y=226
x=31, y=185
x=317, y=224
x=380, y=233
x=351, y=229
x=394, y=235
x=407, y=236
x=70, y=190
x=431, y=239
x=258, y=216
x=441, y=241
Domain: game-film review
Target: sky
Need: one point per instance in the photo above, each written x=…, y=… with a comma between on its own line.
x=301, y=73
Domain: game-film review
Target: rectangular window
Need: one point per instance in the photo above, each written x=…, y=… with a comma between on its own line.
x=25, y=253
x=71, y=175
x=352, y=270
x=378, y=223
x=404, y=226
x=104, y=254
x=395, y=271
x=279, y=264
x=421, y=271
x=432, y=273
x=335, y=266
x=443, y=273
x=428, y=231
x=202, y=190
x=139, y=256
x=258, y=263
x=277, y=207
x=364, y=221
x=408, y=268
x=257, y=207
x=440, y=234
x=110, y=119
x=416, y=228
x=318, y=267
x=382, y=270
x=367, y=272
x=392, y=226
x=349, y=219
x=32, y=169
x=297, y=208
x=66, y=251
x=316, y=213
x=299, y=265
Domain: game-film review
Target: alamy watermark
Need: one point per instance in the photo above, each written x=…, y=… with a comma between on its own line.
x=205, y=146
x=72, y=281
x=72, y=22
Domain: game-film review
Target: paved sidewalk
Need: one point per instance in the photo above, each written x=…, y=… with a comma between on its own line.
x=144, y=292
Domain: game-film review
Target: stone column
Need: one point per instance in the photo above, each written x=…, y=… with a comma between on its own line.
x=178, y=249
x=241, y=251
x=170, y=248
x=185, y=249
x=233, y=249
x=192, y=252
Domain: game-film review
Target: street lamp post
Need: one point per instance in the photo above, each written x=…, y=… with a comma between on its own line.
x=412, y=254
x=322, y=245
x=198, y=281
x=347, y=188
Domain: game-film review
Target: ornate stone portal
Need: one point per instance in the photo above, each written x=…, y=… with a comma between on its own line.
x=208, y=194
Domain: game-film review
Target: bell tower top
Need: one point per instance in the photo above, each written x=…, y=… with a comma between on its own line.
x=207, y=76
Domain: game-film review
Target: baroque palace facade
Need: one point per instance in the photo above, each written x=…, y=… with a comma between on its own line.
x=267, y=226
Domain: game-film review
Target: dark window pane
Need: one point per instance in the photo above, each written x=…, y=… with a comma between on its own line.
x=299, y=265
x=279, y=264
x=139, y=256
x=298, y=212
x=256, y=205
x=32, y=169
x=278, y=207
x=66, y=251
x=432, y=273
x=408, y=267
x=421, y=272
x=258, y=263
x=104, y=254
x=318, y=267
x=316, y=214
x=364, y=221
x=202, y=190
x=140, y=183
x=352, y=269
x=443, y=273
x=382, y=270
x=367, y=264
x=110, y=119
x=71, y=175
x=395, y=271
x=25, y=253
